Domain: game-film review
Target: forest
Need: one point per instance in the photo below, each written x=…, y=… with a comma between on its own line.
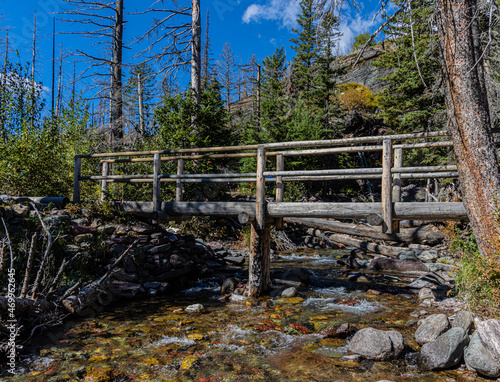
x=178, y=93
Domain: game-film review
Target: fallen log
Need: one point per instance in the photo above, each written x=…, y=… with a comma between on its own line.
x=365, y=245
x=94, y=291
x=23, y=305
x=428, y=234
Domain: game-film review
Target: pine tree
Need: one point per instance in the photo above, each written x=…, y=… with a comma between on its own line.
x=306, y=50
x=273, y=96
x=414, y=95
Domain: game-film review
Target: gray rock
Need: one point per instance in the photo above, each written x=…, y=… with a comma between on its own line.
x=479, y=359
x=377, y=344
x=106, y=229
x=84, y=238
x=352, y=358
x=80, y=221
x=236, y=260
x=429, y=280
x=465, y=320
x=160, y=248
x=151, y=285
x=426, y=294
x=436, y=267
x=195, y=308
x=56, y=220
x=6, y=199
x=431, y=328
x=407, y=255
x=382, y=263
x=428, y=256
x=445, y=351
x=489, y=333
x=20, y=210
x=446, y=260
x=290, y=292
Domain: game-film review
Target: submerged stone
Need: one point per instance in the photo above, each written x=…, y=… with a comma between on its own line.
x=195, y=308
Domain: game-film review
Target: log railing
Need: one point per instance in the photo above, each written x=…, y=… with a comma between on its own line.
x=260, y=213
x=391, y=172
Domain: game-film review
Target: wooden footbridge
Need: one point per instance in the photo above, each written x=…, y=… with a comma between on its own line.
x=262, y=213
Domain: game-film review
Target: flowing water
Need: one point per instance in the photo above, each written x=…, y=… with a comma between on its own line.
x=268, y=339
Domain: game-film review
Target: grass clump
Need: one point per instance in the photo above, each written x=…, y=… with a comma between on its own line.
x=477, y=277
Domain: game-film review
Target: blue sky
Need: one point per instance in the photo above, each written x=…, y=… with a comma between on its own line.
x=250, y=26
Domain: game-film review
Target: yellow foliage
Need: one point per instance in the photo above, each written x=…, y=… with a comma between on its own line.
x=355, y=97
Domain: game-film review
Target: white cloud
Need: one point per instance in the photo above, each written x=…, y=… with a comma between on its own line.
x=284, y=11
x=352, y=25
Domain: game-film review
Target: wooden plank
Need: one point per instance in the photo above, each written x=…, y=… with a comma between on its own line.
x=404, y=170
x=104, y=182
x=77, y=172
x=156, y=183
x=280, y=166
x=387, y=186
x=324, y=210
x=178, y=184
x=430, y=211
x=346, y=171
x=396, y=182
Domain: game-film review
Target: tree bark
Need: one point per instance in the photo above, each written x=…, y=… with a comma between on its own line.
x=469, y=118
x=196, y=51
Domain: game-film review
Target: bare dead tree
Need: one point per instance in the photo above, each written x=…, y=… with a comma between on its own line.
x=104, y=22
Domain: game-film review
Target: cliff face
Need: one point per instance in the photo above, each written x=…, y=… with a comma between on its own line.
x=364, y=73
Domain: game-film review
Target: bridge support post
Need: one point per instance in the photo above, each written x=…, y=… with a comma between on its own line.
x=156, y=182
x=104, y=182
x=387, y=206
x=76, y=179
x=280, y=166
x=396, y=188
x=259, y=276
x=178, y=184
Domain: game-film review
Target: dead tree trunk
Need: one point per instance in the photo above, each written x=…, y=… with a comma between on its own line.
x=469, y=118
x=116, y=82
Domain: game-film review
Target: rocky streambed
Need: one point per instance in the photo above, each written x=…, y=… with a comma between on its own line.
x=171, y=307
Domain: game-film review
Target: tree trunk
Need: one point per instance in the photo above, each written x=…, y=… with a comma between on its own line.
x=469, y=118
x=195, y=60
x=116, y=79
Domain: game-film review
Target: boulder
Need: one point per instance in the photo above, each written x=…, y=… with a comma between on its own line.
x=56, y=220
x=408, y=265
x=489, y=333
x=429, y=280
x=426, y=294
x=428, y=256
x=377, y=344
x=465, y=320
x=431, y=328
x=479, y=359
x=290, y=292
x=195, y=308
x=6, y=199
x=445, y=351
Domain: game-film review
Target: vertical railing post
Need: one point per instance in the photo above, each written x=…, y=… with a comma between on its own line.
x=178, y=184
x=104, y=182
x=280, y=166
x=259, y=278
x=387, y=208
x=156, y=183
x=396, y=188
x=77, y=172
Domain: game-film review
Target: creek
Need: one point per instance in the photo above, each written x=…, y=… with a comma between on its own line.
x=266, y=339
